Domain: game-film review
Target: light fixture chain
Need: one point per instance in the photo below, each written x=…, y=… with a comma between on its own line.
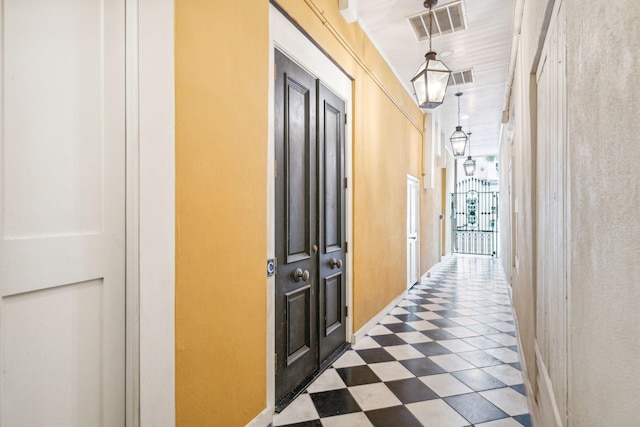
x=430, y=27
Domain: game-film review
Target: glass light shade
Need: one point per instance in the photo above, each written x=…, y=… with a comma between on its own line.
x=458, y=142
x=469, y=166
x=431, y=81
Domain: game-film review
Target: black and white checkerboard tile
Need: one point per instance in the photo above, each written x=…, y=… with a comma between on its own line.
x=445, y=356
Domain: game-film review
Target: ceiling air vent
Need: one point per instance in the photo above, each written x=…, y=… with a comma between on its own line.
x=461, y=77
x=446, y=19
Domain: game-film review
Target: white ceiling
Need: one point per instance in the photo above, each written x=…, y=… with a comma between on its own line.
x=484, y=46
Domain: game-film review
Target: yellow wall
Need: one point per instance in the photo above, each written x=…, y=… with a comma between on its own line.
x=221, y=236
x=382, y=159
x=221, y=161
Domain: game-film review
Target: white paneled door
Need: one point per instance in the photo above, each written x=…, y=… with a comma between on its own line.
x=62, y=188
x=551, y=224
x=413, y=218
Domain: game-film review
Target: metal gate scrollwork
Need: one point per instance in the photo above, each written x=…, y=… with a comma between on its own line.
x=474, y=212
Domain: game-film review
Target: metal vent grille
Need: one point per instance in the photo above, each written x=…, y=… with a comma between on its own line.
x=446, y=19
x=462, y=77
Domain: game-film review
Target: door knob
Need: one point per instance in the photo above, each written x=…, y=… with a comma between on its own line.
x=299, y=274
x=333, y=263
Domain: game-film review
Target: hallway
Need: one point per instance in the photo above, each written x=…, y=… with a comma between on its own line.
x=445, y=356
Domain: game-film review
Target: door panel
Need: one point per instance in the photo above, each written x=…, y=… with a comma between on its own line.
x=331, y=119
x=62, y=258
x=298, y=323
x=298, y=157
x=333, y=303
x=333, y=176
x=55, y=353
x=296, y=226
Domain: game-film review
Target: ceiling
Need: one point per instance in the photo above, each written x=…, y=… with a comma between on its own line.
x=484, y=46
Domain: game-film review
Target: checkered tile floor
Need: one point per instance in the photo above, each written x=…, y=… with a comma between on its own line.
x=445, y=356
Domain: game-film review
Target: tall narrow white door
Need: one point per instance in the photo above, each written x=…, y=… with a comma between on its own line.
x=62, y=187
x=413, y=220
x=550, y=243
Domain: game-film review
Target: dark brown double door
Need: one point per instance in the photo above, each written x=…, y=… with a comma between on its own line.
x=310, y=227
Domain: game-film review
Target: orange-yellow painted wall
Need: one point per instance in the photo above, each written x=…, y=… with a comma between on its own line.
x=221, y=161
x=221, y=151
x=389, y=148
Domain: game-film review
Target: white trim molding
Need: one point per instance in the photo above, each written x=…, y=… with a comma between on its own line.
x=376, y=319
x=151, y=120
x=132, y=250
x=547, y=408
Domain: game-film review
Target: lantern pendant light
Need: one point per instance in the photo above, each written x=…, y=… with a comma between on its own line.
x=431, y=81
x=469, y=164
x=459, y=138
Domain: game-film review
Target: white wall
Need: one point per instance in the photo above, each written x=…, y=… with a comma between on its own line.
x=603, y=132
x=601, y=236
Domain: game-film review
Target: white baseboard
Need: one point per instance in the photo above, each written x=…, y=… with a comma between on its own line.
x=263, y=419
x=547, y=404
x=437, y=266
x=531, y=402
x=548, y=410
x=375, y=319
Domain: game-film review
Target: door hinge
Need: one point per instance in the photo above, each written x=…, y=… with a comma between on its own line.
x=275, y=362
x=346, y=311
x=346, y=182
x=345, y=119
x=346, y=246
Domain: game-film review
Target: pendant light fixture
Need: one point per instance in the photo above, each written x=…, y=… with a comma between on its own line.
x=459, y=138
x=431, y=81
x=469, y=164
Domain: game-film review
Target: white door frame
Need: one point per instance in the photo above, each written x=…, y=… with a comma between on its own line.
x=411, y=182
x=291, y=41
x=150, y=213
x=132, y=236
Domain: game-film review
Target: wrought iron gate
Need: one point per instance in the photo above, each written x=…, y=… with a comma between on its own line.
x=474, y=213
